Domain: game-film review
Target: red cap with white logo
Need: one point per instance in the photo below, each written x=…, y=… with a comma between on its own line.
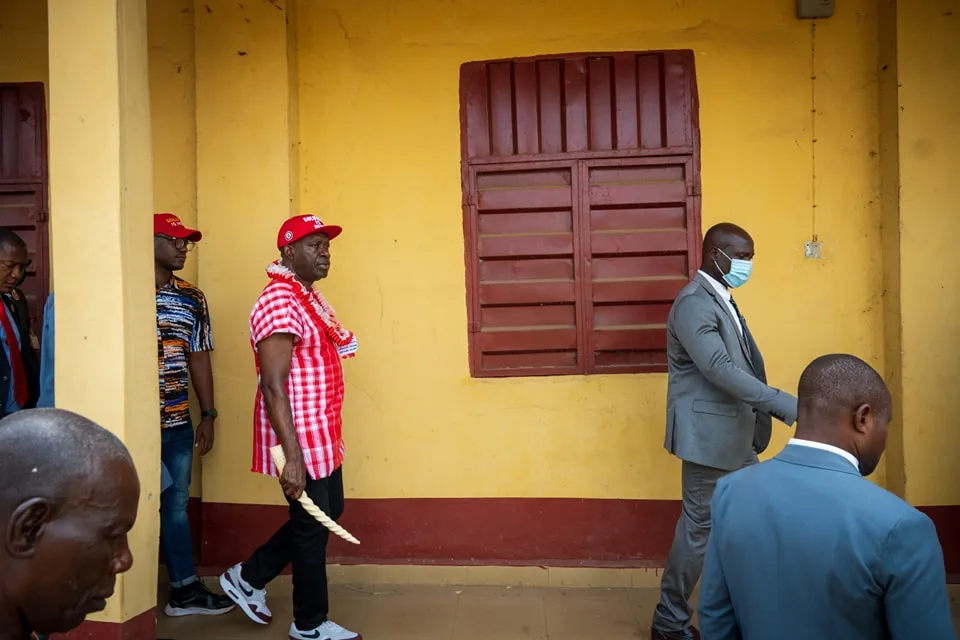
x=299, y=227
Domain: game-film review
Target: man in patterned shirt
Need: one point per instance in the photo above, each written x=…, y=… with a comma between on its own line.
x=184, y=342
x=298, y=344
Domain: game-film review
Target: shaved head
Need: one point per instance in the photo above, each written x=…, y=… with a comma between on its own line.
x=69, y=494
x=835, y=385
x=48, y=452
x=722, y=234
x=843, y=401
x=723, y=243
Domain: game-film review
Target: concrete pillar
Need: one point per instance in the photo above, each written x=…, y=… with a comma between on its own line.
x=928, y=56
x=101, y=203
x=890, y=237
x=920, y=154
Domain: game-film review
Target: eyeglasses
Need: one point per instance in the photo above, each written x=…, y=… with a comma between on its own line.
x=180, y=243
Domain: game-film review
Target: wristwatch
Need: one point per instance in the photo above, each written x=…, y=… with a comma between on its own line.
x=209, y=415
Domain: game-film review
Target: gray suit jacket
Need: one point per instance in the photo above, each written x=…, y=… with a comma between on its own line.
x=718, y=401
x=804, y=547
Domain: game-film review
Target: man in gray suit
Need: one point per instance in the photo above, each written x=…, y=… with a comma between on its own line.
x=718, y=409
x=803, y=546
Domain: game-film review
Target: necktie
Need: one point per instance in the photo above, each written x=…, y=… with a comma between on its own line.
x=20, y=391
x=743, y=324
x=733, y=303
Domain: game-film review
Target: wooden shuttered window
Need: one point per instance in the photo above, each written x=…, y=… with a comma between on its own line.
x=581, y=210
x=528, y=255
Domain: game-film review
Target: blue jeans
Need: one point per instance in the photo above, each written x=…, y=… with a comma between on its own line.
x=176, y=546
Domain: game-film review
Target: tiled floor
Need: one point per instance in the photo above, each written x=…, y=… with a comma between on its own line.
x=455, y=613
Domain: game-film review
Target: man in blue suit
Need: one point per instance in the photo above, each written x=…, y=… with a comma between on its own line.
x=803, y=546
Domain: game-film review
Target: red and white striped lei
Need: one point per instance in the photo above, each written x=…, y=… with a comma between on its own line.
x=318, y=309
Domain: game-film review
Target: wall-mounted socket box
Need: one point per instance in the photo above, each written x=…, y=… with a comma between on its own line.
x=808, y=9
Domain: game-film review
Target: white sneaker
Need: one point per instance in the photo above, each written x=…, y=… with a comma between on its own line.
x=252, y=601
x=327, y=631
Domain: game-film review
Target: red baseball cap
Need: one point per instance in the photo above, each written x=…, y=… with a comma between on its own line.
x=170, y=225
x=299, y=227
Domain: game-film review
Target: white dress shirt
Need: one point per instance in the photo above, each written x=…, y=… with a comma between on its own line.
x=725, y=296
x=846, y=455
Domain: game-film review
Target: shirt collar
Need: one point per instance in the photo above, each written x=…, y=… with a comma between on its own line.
x=719, y=288
x=846, y=455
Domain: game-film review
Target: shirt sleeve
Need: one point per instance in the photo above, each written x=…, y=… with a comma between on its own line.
x=916, y=602
x=276, y=312
x=46, y=357
x=202, y=337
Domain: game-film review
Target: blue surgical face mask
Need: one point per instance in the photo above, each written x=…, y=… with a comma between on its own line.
x=739, y=271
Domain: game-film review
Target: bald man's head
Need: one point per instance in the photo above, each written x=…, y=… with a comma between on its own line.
x=48, y=452
x=723, y=245
x=843, y=401
x=68, y=498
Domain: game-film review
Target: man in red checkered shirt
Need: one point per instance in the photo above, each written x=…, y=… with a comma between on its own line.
x=298, y=345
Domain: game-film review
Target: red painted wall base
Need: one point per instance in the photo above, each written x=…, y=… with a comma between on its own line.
x=496, y=531
x=142, y=627
x=621, y=533
x=947, y=521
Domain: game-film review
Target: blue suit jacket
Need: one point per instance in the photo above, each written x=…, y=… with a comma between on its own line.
x=803, y=547
x=47, y=341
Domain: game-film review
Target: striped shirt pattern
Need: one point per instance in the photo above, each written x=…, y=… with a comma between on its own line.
x=183, y=327
x=315, y=385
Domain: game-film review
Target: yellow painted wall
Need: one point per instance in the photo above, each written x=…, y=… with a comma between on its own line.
x=370, y=138
x=173, y=112
x=246, y=124
x=928, y=60
x=23, y=41
x=173, y=107
x=380, y=152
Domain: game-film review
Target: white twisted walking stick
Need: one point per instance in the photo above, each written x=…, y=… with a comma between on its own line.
x=308, y=505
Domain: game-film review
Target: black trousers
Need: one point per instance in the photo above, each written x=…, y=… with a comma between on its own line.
x=302, y=542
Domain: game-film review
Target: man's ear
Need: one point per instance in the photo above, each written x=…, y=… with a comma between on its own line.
x=25, y=527
x=863, y=418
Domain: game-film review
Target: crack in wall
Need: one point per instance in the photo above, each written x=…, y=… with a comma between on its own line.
x=813, y=129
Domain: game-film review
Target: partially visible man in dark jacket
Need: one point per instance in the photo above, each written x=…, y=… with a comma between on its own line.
x=19, y=359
